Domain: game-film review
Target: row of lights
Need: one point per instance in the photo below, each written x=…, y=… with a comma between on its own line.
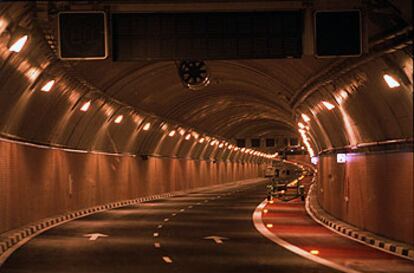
x=220, y=144
x=390, y=80
x=18, y=45
x=303, y=129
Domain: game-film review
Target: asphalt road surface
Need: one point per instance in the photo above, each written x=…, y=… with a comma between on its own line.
x=201, y=232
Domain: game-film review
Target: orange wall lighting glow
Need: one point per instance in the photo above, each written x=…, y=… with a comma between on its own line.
x=119, y=119
x=391, y=81
x=201, y=140
x=147, y=126
x=172, y=133
x=19, y=44
x=48, y=86
x=85, y=106
x=328, y=105
x=188, y=136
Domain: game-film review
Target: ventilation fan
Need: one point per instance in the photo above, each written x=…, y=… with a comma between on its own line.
x=193, y=74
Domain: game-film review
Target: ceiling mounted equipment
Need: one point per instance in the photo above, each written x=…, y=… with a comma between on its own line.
x=193, y=74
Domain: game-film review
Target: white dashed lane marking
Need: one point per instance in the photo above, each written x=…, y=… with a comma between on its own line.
x=166, y=219
x=156, y=234
x=157, y=245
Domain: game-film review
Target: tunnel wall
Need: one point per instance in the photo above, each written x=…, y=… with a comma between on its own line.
x=36, y=183
x=371, y=191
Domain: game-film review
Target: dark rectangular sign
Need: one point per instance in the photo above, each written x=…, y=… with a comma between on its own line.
x=233, y=35
x=82, y=35
x=338, y=33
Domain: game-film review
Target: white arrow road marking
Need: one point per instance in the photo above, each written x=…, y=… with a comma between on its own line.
x=94, y=236
x=217, y=239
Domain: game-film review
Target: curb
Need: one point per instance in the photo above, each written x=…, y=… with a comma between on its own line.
x=13, y=239
x=352, y=232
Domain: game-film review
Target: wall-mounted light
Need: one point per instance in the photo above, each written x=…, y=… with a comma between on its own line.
x=119, y=119
x=201, y=140
x=85, y=106
x=314, y=160
x=328, y=105
x=17, y=43
x=340, y=158
x=182, y=132
x=221, y=145
x=213, y=142
x=48, y=86
x=172, y=133
x=391, y=81
x=305, y=118
x=147, y=126
x=301, y=125
x=188, y=136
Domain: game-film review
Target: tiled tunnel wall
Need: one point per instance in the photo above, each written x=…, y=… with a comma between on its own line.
x=37, y=183
x=371, y=191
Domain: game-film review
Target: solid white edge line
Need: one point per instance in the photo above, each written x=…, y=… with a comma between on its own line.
x=259, y=225
x=313, y=216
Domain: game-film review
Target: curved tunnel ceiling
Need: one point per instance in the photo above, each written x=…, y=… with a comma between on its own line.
x=245, y=98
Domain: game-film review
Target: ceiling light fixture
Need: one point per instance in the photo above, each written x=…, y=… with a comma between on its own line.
x=85, y=106
x=391, y=81
x=48, y=86
x=305, y=118
x=119, y=119
x=147, y=126
x=328, y=105
x=17, y=45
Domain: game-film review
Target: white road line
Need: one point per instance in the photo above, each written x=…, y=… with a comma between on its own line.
x=174, y=214
x=157, y=245
x=159, y=226
x=259, y=225
x=199, y=203
x=166, y=220
x=167, y=259
x=190, y=207
x=156, y=234
x=182, y=210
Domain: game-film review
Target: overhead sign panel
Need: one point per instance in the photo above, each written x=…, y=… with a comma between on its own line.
x=338, y=33
x=82, y=35
x=232, y=35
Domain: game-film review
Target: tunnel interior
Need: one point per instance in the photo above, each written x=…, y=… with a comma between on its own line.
x=78, y=133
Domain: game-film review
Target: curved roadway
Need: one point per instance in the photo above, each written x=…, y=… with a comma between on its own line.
x=208, y=231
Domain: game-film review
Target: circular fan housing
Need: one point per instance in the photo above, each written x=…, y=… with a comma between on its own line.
x=193, y=74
